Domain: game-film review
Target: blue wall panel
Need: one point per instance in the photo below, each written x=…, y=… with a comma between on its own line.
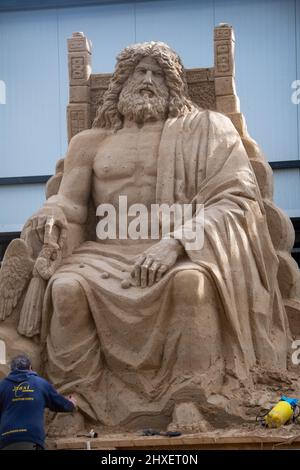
x=186, y=26
x=18, y=203
x=297, y=22
x=265, y=70
x=287, y=191
x=29, y=124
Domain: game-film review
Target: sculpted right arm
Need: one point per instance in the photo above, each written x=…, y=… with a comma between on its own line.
x=70, y=205
x=75, y=187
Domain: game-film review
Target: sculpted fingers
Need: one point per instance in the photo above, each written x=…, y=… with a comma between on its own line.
x=144, y=271
x=148, y=270
x=40, y=228
x=62, y=237
x=152, y=273
x=37, y=223
x=48, y=229
x=136, y=272
x=55, y=231
x=161, y=271
x=35, y=226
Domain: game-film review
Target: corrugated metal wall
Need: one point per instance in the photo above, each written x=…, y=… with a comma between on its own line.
x=33, y=66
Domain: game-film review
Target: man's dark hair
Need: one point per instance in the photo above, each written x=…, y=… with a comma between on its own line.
x=21, y=362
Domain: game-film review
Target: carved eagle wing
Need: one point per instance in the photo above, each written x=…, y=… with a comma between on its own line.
x=15, y=273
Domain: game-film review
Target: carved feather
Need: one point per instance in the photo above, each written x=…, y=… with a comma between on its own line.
x=15, y=273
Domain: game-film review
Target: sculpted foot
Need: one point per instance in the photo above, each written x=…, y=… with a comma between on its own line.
x=66, y=425
x=186, y=417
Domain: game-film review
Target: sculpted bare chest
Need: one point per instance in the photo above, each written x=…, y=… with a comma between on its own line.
x=130, y=155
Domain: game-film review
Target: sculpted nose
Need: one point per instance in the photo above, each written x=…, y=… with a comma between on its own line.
x=148, y=77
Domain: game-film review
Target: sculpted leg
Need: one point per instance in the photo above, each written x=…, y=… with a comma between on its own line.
x=73, y=345
x=195, y=302
x=196, y=310
x=72, y=348
x=70, y=313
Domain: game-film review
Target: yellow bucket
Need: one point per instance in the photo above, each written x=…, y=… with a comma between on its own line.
x=279, y=414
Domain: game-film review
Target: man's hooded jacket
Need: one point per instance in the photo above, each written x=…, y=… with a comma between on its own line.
x=23, y=397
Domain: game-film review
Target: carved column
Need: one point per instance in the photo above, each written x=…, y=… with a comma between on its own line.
x=227, y=101
x=79, y=61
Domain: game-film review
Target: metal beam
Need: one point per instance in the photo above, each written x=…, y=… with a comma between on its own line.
x=11, y=180
x=14, y=5
x=285, y=164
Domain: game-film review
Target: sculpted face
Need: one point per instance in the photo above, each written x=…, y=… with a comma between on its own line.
x=145, y=95
x=149, y=77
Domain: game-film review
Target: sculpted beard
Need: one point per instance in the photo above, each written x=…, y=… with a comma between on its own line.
x=142, y=103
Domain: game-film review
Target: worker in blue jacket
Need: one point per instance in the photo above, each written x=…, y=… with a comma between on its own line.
x=23, y=397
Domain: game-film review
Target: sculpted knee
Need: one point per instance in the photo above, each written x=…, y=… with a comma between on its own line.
x=66, y=292
x=191, y=286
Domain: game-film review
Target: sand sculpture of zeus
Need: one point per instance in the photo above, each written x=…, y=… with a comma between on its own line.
x=149, y=331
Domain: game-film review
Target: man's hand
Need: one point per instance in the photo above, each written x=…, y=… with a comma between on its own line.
x=156, y=261
x=72, y=399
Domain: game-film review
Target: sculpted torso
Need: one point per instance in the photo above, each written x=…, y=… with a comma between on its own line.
x=126, y=164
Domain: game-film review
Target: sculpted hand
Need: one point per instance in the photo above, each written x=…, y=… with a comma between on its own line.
x=48, y=226
x=156, y=261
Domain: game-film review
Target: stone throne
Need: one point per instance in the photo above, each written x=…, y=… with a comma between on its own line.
x=209, y=88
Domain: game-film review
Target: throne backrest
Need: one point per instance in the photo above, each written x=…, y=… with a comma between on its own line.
x=209, y=88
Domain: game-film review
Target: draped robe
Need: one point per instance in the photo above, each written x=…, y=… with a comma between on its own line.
x=141, y=350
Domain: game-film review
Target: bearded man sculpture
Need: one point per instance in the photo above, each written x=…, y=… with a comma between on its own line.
x=150, y=331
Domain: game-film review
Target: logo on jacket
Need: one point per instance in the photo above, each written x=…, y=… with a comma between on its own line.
x=21, y=389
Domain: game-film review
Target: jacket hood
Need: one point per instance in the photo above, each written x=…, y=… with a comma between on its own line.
x=19, y=375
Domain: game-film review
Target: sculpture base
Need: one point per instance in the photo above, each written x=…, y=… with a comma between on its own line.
x=257, y=438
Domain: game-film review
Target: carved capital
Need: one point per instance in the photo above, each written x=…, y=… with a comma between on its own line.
x=224, y=51
x=78, y=42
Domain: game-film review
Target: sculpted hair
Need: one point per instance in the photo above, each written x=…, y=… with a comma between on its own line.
x=108, y=116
